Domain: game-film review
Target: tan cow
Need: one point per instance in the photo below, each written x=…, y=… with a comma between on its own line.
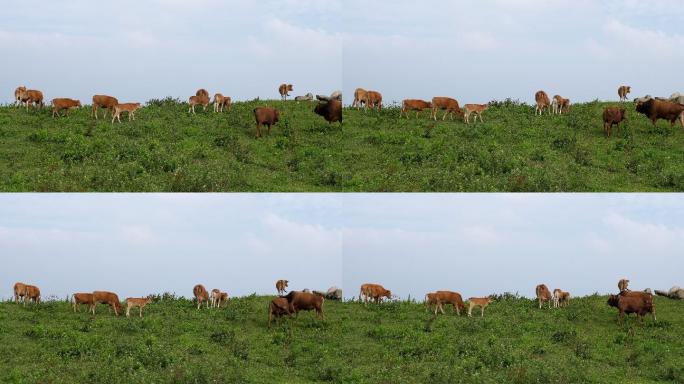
x=623, y=91
x=413, y=105
x=130, y=108
x=83, y=298
x=441, y=298
x=200, y=99
x=374, y=292
x=284, y=90
x=31, y=294
x=542, y=102
x=279, y=307
x=218, y=297
x=200, y=294
x=622, y=285
x=373, y=100
x=481, y=302
x=30, y=96
x=19, y=292
x=107, y=298
x=360, y=96
x=448, y=104
x=104, y=101
x=474, y=109
x=281, y=286
x=543, y=294
x=64, y=103
x=221, y=101
x=560, y=298
x=18, y=92
x=132, y=302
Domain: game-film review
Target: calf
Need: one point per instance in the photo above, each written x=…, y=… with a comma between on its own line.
x=126, y=107
x=623, y=91
x=284, y=90
x=560, y=298
x=132, y=302
x=374, y=292
x=107, y=298
x=31, y=294
x=542, y=102
x=218, y=297
x=201, y=295
x=19, y=292
x=330, y=110
x=481, y=302
x=475, y=109
x=104, y=101
x=265, y=116
x=360, y=96
x=281, y=286
x=303, y=301
x=413, y=105
x=612, y=116
x=374, y=100
x=83, y=298
x=221, y=101
x=656, y=109
x=64, y=103
x=640, y=303
x=448, y=104
x=543, y=295
x=279, y=307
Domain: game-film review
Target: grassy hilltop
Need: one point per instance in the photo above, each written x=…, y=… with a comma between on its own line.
x=168, y=150
x=392, y=343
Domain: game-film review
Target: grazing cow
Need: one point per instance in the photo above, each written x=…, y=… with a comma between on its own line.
x=475, y=109
x=281, y=286
x=125, y=107
x=481, y=302
x=441, y=298
x=284, y=90
x=542, y=101
x=221, y=101
x=200, y=294
x=279, y=307
x=448, y=104
x=543, y=294
x=307, y=97
x=559, y=104
x=374, y=292
x=132, y=302
x=83, y=298
x=656, y=109
x=265, y=116
x=199, y=99
x=330, y=110
x=18, y=92
x=107, y=298
x=303, y=301
x=19, y=292
x=374, y=100
x=623, y=91
x=640, y=303
x=104, y=101
x=612, y=116
x=30, y=96
x=360, y=96
x=413, y=105
x=560, y=298
x=31, y=294
x=622, y=285
x=218, y=297
x=64, y=103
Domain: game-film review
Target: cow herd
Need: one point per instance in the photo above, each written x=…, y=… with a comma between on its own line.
x=293, y=302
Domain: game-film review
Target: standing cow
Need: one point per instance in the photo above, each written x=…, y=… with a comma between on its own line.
x=542, y=102
x=612, y=116
x=623, y=91
x=281, y=286
x=265, y=116
x=359, y=98
x=543, y=295
x=284, y=90
x=201, y=295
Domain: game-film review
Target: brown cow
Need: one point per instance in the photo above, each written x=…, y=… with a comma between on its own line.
x=132, y=302
x=303, y=301
x=107, y=298
x=284, y=90
x=628, y=302
x=199, y=99
x=279, y=307
x=265, y=116
x=330, y=110
x=83, y=298
x=622, y=285
x=218, y=297
x=200, y=294
x=202, y=92
x=543, y=294
x=559, y=104
x=31, y=294
x=481, y=302
x=360, y=96
x=64, y=103
x=373, y=291
x=612, y=116
x=656, y=109
x=373, y=100
x=104, y=101
x=475, y=109
x=221, y=101
x=19, y=292
x=30, y=96
x=414, y=105
x=441, y=298
x=623, y=91
x=542, y=101
x=18, y=92
x=281, y=285
x=445, y=103
x=560, y=298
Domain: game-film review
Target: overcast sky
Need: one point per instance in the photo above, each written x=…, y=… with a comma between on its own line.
x=473, y=50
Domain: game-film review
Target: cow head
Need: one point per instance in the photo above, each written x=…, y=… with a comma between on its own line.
x=613, y=300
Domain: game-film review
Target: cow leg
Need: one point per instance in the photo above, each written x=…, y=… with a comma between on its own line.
x=482, y=313
x=470, y=310
x=141, y=312
x=258, y=129
x=269, y=129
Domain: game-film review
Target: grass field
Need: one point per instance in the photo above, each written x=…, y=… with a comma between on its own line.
x=168, y=150
x=392, y=343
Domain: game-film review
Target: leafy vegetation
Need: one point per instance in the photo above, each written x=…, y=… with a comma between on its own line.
x=392, y=343
x=166, y=149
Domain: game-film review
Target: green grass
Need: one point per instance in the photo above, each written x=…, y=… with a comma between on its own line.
x=168, y=150
x=392, y=343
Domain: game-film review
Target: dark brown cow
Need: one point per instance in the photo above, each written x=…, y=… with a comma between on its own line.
x=284, y=90
x=612, y=116
x=623, y=91
x=656, y=109
x=448, y=104
x=200, y=294
x=279, y=307
x=104, y=101
x=303, y=301
x=373, y=100
x=628, y=302
x=31, y=294
x=542, y=101
x=374, y=292
x=414, y=105
x=83, y=298
x=330, y=110
x=64, y=103
x=265, y=116
x=543, y=294
x=107, y=298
